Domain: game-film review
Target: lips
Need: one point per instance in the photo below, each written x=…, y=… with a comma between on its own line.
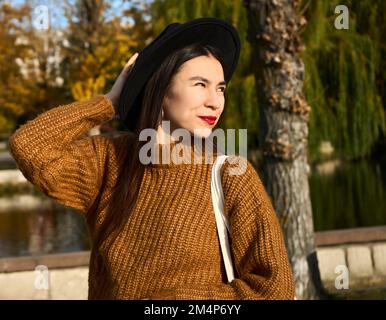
x=208, y=119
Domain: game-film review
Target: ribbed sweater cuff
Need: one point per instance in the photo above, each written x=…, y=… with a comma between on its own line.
x=206, y=292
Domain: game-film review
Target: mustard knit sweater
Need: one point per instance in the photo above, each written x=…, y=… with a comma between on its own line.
x=169, y=248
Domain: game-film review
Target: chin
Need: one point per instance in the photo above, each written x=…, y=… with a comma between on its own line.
x=202, y=132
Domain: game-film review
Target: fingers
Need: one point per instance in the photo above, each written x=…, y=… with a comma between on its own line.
x=131, y=60
x=129, y=64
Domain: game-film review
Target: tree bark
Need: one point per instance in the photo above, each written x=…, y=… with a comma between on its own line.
x=273, y=32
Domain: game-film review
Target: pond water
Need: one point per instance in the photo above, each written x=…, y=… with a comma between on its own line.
x=353, y=195
x=42, y=232
x=344, y=196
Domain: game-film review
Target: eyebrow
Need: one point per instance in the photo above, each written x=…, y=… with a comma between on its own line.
x=205, y=80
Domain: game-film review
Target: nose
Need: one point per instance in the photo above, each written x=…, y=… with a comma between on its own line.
x=213, y=99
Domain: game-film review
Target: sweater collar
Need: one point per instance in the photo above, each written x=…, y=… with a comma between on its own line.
x=178, y=153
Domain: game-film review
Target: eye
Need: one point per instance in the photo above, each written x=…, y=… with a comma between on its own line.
x=203, y=84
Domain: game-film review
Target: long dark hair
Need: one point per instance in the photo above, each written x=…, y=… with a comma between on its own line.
x=126, y=190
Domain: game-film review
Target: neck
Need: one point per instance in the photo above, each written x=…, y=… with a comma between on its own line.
x=164, y=137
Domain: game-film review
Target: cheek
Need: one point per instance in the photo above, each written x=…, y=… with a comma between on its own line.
x=177, y=110
x=184, y=103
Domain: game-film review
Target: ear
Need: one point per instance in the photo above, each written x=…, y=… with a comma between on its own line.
x=161, y=116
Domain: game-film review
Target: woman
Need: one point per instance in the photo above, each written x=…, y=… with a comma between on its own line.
x=152, y=225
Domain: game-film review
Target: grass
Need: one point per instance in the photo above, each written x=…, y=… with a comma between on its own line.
x=360, y=294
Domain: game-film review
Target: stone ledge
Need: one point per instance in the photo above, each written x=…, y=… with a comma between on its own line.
x=365, y=262
x=329, y=239
x=346, y=236
x=362, y=264
x=12, y=176
x=359, y=259
x=56, y=284
x=52, y=261
x=24, y=202
x=379, y=254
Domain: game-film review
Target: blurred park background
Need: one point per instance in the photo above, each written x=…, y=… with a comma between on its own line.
x=79, y=51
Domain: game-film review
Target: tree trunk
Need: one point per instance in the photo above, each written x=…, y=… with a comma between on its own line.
x=273, y=32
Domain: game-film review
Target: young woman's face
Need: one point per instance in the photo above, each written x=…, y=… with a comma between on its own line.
x=196, y=90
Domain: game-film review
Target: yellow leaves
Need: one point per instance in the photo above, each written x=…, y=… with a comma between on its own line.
x=86, y=70
x=93, y=69
x=4, y=123
x=14, y=108
x=97, y=69
x=84, y=90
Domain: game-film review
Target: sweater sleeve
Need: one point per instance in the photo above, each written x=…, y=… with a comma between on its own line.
x=262, y=269
x=52, y=155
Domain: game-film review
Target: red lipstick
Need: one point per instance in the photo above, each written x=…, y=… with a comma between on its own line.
x=208, y=119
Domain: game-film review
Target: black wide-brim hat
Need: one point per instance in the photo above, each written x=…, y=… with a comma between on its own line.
x=209, y=30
